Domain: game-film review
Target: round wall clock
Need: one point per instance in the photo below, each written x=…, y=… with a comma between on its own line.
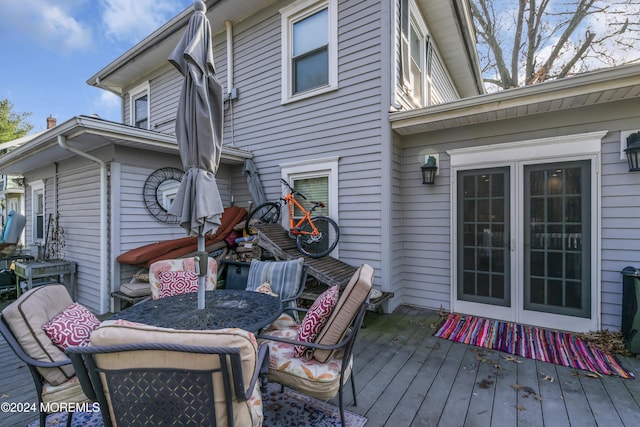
x=159, y=191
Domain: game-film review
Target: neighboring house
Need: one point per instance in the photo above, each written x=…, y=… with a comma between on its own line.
x=318, y=118
x=12, y=186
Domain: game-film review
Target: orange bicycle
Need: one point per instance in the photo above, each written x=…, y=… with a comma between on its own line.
x=316, y=236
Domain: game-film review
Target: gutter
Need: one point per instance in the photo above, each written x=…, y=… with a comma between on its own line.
x=611, y=79
x=104, y=265
x=158, y=36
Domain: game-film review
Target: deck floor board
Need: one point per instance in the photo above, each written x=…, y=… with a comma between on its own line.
x=407, y=377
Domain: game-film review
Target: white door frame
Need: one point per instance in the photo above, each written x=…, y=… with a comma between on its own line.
x=585, y=146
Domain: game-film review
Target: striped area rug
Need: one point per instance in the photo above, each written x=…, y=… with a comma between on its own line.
x=561, y=348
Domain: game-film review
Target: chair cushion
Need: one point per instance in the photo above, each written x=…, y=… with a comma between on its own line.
x=283, y=276
x=72, y=327
x=26, y=316
x=313, y=378
x=183, y=264
x=315, y=319
x=354, y=294
x=135, y=289
x=114, y=332
x=68, y=391
x=177, y=283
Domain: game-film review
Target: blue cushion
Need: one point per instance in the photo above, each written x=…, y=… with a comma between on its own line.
x=283, y=276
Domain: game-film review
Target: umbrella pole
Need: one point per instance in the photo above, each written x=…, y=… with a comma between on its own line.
x=203, y=271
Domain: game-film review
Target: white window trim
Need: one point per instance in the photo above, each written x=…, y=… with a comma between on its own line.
x=291, y=14
x=585, y=146
x=415, y=17
x=37, y=186
x=403, y=90
x=327, y=166
x=135, y=93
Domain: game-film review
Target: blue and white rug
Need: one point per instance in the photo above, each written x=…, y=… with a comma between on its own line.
x=280, y=410
x=291, y=408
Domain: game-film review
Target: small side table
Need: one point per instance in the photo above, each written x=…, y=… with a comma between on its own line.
x=42, y=269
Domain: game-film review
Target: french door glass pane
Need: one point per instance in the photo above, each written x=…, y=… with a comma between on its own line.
x=557, y=251
x=483, y=236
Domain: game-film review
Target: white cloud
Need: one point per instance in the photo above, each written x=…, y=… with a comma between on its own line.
x=132, y=20
x=51, y=25
x=107, y=105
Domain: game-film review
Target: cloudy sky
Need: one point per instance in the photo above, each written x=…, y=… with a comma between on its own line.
x=51, y=47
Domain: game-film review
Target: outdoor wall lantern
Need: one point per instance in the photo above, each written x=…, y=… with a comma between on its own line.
x=429, y=170
x=633, y=152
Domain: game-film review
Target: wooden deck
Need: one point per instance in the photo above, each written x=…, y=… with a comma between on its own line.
x=406, y=377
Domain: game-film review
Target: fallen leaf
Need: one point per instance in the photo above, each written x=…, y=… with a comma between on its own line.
x=593, y=375
x=511, y=359
x=521, y=408
x=547, y=377
x=485, y=383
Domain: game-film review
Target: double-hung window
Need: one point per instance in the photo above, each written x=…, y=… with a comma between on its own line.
x=309, y=39
x=139, y=105
x=317, y=179
x=416, y=52
x=38, y=211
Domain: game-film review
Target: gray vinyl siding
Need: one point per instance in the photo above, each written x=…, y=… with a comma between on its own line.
x=396, y=256
x=137, y=226
x=165, y=94
x=426, y=230
x=442, y=89
x=345, y=122
x=79, y=207
x=426, y=226
x=620, y=225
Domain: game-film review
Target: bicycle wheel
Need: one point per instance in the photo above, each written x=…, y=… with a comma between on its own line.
x=322, y=244
x=266, y=213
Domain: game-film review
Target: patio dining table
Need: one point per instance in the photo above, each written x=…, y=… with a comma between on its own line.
x=224, y=308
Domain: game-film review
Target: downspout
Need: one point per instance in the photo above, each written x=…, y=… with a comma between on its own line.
x=229, y=25
x=62, y=142
x=232, y=93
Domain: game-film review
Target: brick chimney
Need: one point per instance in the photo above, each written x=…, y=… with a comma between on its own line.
x=51, y=122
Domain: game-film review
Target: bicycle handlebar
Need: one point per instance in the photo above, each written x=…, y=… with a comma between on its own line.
x=293, y=190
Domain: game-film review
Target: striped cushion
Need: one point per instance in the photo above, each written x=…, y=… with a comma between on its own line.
x=283, y=276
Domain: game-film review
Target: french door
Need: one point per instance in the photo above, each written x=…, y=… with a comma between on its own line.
x=523, y=243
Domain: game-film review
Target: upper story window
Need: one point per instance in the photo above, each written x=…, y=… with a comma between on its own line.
x=415, y=54
x=309, y=46
x=139, y=105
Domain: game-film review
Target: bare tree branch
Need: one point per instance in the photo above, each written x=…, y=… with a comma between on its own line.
x=541, y=39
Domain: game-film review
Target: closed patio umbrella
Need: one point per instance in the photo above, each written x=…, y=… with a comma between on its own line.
x=199, y=134
x=253, y=181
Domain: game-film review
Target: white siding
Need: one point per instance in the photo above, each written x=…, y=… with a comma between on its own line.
x=79, y=207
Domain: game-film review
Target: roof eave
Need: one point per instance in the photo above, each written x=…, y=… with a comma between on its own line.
x=128, y=135
x=475, y=109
